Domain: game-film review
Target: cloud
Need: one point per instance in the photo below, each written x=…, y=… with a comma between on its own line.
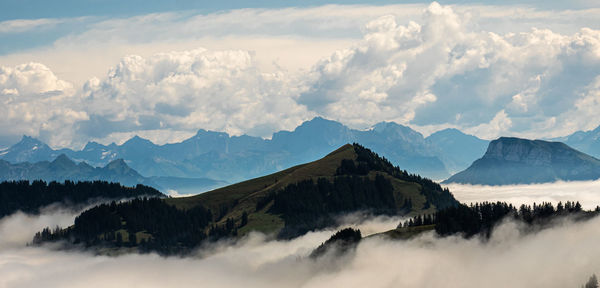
x=24, y=25
x=36, y=102
x=445, y=70
x=17, y=229
x=310, y=33
x=499, y=125
x=578, y=116
x=514, y=71
x=218, y=90
x=586, y=192
x=175, y=194
x=564, y=256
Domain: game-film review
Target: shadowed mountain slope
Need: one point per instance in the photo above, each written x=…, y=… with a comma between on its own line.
x=521, y=161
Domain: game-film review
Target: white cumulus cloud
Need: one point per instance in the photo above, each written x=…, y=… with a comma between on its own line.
x=446, y=70
x=36, y=102
x=187, y=90
x=515, y=71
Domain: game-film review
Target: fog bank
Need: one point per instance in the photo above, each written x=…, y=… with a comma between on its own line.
x=586, y=192
x=18, y=228
x=564, y=256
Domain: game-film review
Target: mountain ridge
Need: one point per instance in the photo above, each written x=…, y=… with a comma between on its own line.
x=288, y=204
x=217, y=155
x=62, y=168
x=585, y=141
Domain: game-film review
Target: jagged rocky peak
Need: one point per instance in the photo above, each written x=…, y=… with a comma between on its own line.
x=118, y=164
x=28, y=141
x=397, y=131
x=92, y=145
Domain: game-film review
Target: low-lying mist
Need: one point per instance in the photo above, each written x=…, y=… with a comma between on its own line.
x=564, y=256
x=586, y=192
x=18, y=229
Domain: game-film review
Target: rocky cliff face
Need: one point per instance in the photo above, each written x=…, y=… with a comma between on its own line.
x=522, y=161
x=521, y=150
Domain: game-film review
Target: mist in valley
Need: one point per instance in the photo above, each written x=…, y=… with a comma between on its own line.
x=562, y=256
x=586, y=192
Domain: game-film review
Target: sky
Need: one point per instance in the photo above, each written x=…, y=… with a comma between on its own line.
x=76, y=71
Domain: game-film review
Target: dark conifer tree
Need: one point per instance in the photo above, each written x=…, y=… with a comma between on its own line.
x=592, y=282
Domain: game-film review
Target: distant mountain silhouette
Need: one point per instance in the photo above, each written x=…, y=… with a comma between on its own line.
x=457, y=149
x=62, y=168
x=217, y=155
x=585, y=141
x=521, y=161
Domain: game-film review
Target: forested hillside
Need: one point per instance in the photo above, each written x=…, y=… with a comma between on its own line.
x=286, y=204
x=29, y=197
x=482, y=218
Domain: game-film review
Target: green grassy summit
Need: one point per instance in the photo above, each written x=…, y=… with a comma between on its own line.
x=287, y=204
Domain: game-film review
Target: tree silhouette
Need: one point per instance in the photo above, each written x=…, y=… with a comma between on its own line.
x=592, y=283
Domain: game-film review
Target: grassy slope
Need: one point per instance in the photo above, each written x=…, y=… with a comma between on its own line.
x=244, y=196
x=247, y=193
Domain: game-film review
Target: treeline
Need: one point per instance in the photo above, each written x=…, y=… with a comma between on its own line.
x=152, y=224
x=29, y=197
x=310, y=205
x=343, y=241
x=591, y=283
x=369, y=160
x=480, y=218
x=149, y=223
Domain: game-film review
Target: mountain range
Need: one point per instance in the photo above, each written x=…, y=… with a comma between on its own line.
x=521, y=161
x=584, y=141
x=62, y=168
x=217, y=155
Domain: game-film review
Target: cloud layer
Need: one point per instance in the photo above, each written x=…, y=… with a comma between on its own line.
x=476, y=68
x=218, y=90
x=445, y=71
x=586, y=192
x=564, y=256
x=36, y=102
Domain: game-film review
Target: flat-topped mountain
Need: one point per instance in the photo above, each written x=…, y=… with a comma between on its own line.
x=521, y=161
x=288, y=203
